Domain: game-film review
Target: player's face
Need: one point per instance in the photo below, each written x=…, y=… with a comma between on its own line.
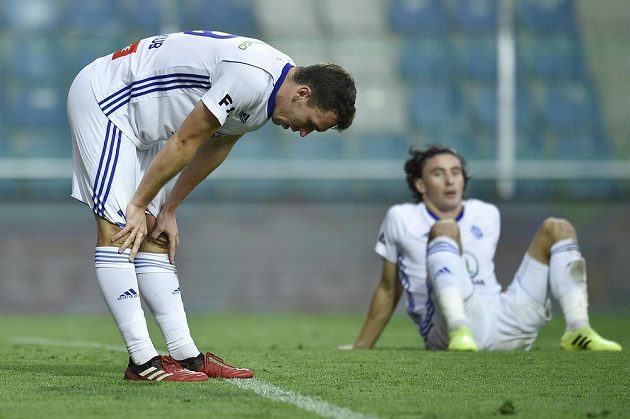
x=300, y=116
x=442, y=184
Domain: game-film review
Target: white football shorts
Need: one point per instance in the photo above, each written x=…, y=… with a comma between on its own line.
x=107, y=166
x=510, y=320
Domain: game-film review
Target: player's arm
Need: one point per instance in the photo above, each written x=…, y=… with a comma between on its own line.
x=177, y=153
x=208, y=157
x=384, y=301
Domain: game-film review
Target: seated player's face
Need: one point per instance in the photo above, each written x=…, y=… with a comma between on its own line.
x=299, y=116
x=442, y=184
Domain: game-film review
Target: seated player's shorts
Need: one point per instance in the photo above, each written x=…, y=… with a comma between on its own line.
x=506, y=321
x=107, y=166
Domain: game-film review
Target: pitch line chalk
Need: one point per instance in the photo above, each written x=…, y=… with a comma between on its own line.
x=310, y=404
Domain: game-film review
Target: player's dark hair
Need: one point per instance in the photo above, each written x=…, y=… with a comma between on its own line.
x=332, y=89
x=415, y=165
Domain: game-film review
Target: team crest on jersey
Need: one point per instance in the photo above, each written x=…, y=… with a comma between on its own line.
x=476, y=232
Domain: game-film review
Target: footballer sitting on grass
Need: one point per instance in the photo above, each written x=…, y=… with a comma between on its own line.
x=440, y=252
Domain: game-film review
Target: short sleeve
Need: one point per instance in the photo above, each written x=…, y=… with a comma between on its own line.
x=236, y=87
x=386, y=245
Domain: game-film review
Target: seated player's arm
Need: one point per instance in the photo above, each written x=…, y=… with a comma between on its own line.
x=384, y=300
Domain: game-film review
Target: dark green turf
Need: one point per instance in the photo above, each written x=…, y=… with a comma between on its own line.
x=297, y=352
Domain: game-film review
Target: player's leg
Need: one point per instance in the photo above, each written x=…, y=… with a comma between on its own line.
x=118, y=283
x=160, y=289
x=555, y=244
x=450, y=282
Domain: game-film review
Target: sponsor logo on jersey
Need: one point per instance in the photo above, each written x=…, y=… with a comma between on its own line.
x=472, y=264
x=129, y=49
x=227, y=101
x=243, y=116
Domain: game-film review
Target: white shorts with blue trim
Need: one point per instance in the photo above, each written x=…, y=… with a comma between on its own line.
x=107, y=166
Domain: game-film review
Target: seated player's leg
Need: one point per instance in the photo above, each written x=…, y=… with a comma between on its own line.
x=556, y=244
x=524, y=307
x=450, y=282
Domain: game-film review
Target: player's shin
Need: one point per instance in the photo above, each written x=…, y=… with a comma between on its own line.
x=450, y=280
x=117, y=281
x=160, y=289
x=567, y=278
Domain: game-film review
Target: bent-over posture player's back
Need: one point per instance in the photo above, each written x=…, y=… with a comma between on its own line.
x=164, y=105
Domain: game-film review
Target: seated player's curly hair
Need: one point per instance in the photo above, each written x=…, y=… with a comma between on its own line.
x=415, y=165
x=332, y=90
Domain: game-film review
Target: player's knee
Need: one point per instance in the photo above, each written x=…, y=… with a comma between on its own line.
x=444, y=228
x=558, y=229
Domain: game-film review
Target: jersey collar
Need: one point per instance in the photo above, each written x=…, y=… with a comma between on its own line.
x=271, y=103
x=436, y=218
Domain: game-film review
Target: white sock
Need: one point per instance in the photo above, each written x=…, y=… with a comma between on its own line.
x=160, y=290
x=567, y=278
x=450, y=280
x=116, y=278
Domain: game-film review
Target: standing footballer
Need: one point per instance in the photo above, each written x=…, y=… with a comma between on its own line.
x=175, y=105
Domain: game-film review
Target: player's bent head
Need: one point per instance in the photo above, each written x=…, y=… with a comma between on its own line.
x=332, y=89
x=414, y=167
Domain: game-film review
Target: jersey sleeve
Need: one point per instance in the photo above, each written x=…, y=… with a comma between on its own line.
x=236, y=87
x=386, y=246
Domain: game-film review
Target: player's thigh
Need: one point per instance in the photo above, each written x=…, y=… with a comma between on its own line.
x=519, y=319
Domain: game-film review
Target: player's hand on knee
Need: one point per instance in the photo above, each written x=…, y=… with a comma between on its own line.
x=166, y=233
x=136, y=228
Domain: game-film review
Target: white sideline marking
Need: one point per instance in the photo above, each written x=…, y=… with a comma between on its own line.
x=310, y=404
x=269, y=391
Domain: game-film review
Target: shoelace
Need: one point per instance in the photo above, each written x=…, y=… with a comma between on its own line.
x=169, y=364
x=216, y=358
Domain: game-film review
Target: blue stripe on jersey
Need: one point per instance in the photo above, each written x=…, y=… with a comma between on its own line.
x=124, y=95
x=271, y=103
x=165, y=76
x=127, y=94
x=162, y=89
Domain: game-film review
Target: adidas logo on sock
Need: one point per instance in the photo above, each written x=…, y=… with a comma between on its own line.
x=177, y=291
x=443, y=271
x=128, y=294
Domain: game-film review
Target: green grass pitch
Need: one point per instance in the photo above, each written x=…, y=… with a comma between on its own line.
x=71, y=366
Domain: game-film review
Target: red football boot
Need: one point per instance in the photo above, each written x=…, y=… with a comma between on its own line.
x=214, y=367
x=161, y=368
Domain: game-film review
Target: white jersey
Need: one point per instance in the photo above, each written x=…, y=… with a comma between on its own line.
x=403, y=240
x=148, y=88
